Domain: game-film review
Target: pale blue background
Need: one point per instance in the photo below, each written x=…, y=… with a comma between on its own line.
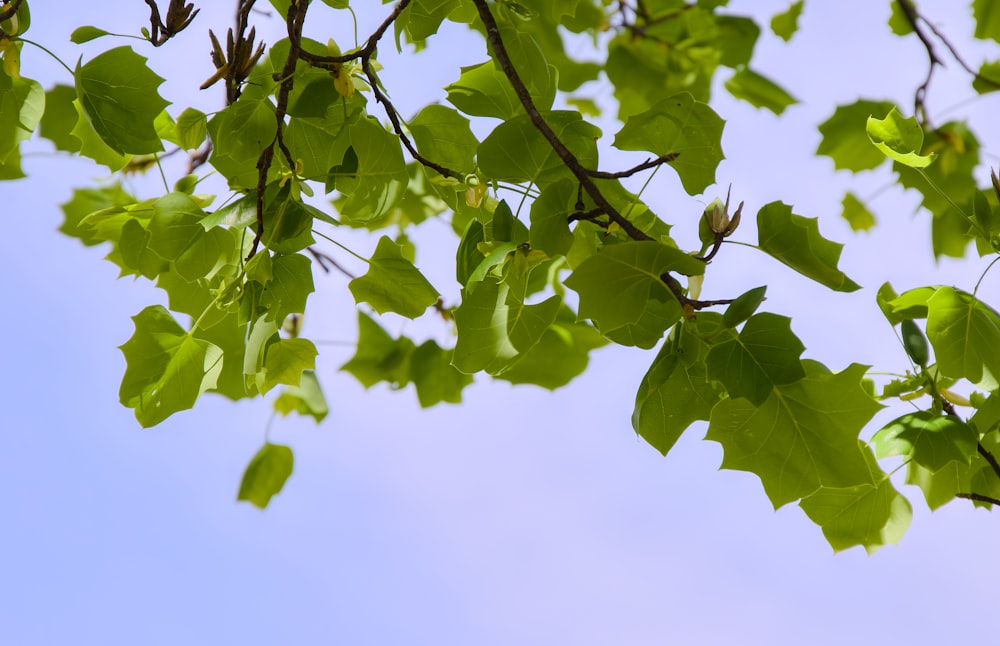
x=520, y=517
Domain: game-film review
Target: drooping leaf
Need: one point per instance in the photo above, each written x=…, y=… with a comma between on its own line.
x=965, y=333
x=435, y=378
x=59, y=118
x=987, y=16
x=930, y=440
x=285, y=362
x=166, y=368
x=680, y=125
x=674, y=393
x=786, y=23
x=856, y=213
x=899, y=138
x=614, y=285
x=797, y=242
x=118, y=94
x=379, y=357
x=22, y=103
x=305, y=399
x=517, y=152
x=764, y=355
x=803, y=437
x=845, y=139
x=91, y=144
x=872, y=514
x=393, y=284
x=759, y=91
x=266, y=474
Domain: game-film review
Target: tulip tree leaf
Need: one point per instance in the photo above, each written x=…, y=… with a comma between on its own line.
x=266, y=474
x=872, y=514
x=393, y=284
x=680, y=125
x=167, y=369
x=929, y=440
x=614, y=285
x=965, y=333
x=759, y=91
x=845, y=139
x=118, y=94
x=764, y=354
x=802, y=437
x=797, y=242
x=899, y=138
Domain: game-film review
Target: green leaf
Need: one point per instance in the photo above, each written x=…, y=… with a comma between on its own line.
x=266, y=474
x=988, y=79
x=379, y=357
x=856, y=213
x=443, y=136
x=285, y=362
x=785, y=24
x=987, y=16
x=898, y=22
x=614, y=285
x=86, y=201
x=899, y=138
x=424, y=17
x=744, y=306
x=845, y=139
x=871, y=514
x=380, y=180
x=91, y=144
x=764, y=355
x=561, y=354
x=435, y=378
x=483, y=91
x=517, y=152
x=166, y=368
x=86, y=34
x=796, y=241
x=59, y=118
x=965, y=333
x=290, y=286
x=674, y=393
x=239, y=133
x=305, y=399
x=803, y=437
x=175, y=225
x=680, y=125
x=118, y=94
x=759, y=91
x=495, y=326
x=192, y=128
x=930, y=440
x=22, y=103
x=550, y=213
x=393, y=284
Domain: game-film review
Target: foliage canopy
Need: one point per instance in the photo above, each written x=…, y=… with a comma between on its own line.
x=555, y=255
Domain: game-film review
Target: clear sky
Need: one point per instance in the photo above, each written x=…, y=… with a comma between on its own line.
x=519, y=517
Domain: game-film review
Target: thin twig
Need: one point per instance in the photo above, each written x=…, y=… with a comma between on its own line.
x=978, y=498
x=649, y=163
x=989, y=458
x=323, y=260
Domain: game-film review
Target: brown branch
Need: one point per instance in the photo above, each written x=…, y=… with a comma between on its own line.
x=365, y=55
x=989, y=458
x=293, y=22
x=914, y=19
x=323, y=259
x=568, y=158
x=978, y=498
x=649, y=163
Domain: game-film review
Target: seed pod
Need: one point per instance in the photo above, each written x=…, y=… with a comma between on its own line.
x=914, y=342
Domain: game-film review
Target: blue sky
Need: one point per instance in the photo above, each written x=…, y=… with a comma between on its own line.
x=519, y=517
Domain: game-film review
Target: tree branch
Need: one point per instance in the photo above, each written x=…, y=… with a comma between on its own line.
x=978, y=498
x=989, y=458
x=649, y=163
x=293, y=22
x=365, y=55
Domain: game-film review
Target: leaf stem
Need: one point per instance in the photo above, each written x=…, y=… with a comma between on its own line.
x=49, y=52
x=985, y=271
